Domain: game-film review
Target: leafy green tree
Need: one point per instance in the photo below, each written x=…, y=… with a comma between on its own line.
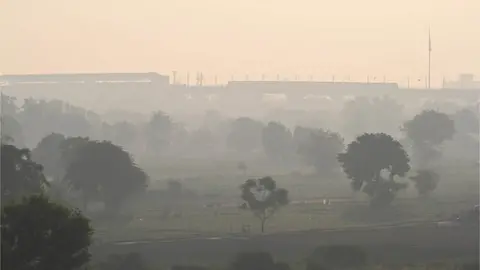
x=11, y=128
x=69, y=149
x=466, y=121
x=425, y=181
x=20, y=175
x=263, y=198
x=48, y=153
x=367, y=157
x=277, y=142
x=8, y=105
x=104, y=171
x=74, y=124
x=40, y=235
x=320, y=149
x=245, y=135
x=159, y=132
x=427, y=131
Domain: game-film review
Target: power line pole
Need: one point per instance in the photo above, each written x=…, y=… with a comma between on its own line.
x=429, y=56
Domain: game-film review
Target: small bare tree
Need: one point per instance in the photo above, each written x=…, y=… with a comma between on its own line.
x=263, y=198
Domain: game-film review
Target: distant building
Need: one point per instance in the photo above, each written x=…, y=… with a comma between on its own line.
x=307, y=85
x=464, y=81
x=85, y=78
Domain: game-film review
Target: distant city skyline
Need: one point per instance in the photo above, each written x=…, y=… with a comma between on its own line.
x=345, y=38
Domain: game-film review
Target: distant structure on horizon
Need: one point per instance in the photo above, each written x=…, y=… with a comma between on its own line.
x=79, y=78
x=464, y=81
x=152, y=80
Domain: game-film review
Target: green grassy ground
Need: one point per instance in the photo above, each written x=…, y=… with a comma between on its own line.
x=457, y=191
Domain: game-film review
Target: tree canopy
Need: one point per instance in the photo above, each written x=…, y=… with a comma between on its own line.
x=245, y=135
x=277, y=142
x=20, y=175
x=159, y=131
x=367, y=157
x=466, y=121
x=41, y=235
x=425, y=181
x=319, y=148
x=11, y=128
x=430, y=127
x=48, y=153
x=427, y=131
x=104, y=171
x=263, y=198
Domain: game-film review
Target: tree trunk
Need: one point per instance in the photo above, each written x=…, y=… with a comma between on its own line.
x=263, y=220
x=85, y=203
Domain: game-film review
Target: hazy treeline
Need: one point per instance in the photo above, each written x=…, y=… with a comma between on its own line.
x=282, y=137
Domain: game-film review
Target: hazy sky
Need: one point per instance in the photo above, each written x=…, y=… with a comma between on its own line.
x=352, y=38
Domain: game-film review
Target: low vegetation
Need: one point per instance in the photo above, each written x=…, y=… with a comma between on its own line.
x=75, y=193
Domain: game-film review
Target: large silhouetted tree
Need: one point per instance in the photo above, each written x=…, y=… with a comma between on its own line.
x=38, y=234
x=319, y=148
x=277, y=142
x=159, y=131
x=425, y=181
x=102, y=170
x=48, y=153
x=466, y=121
x=427, y=131
x=367, y=157
x=263, y=198
x=20, y=175
x=245, y=135
x=11, y=128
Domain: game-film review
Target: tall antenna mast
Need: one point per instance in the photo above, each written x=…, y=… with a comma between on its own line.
x=429, y=56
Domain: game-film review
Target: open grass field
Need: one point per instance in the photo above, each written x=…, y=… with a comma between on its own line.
x=198, y=220
x=390, y=246
x=457, y=191
x=210, y=235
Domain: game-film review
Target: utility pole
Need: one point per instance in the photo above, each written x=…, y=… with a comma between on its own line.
x=429, y=56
